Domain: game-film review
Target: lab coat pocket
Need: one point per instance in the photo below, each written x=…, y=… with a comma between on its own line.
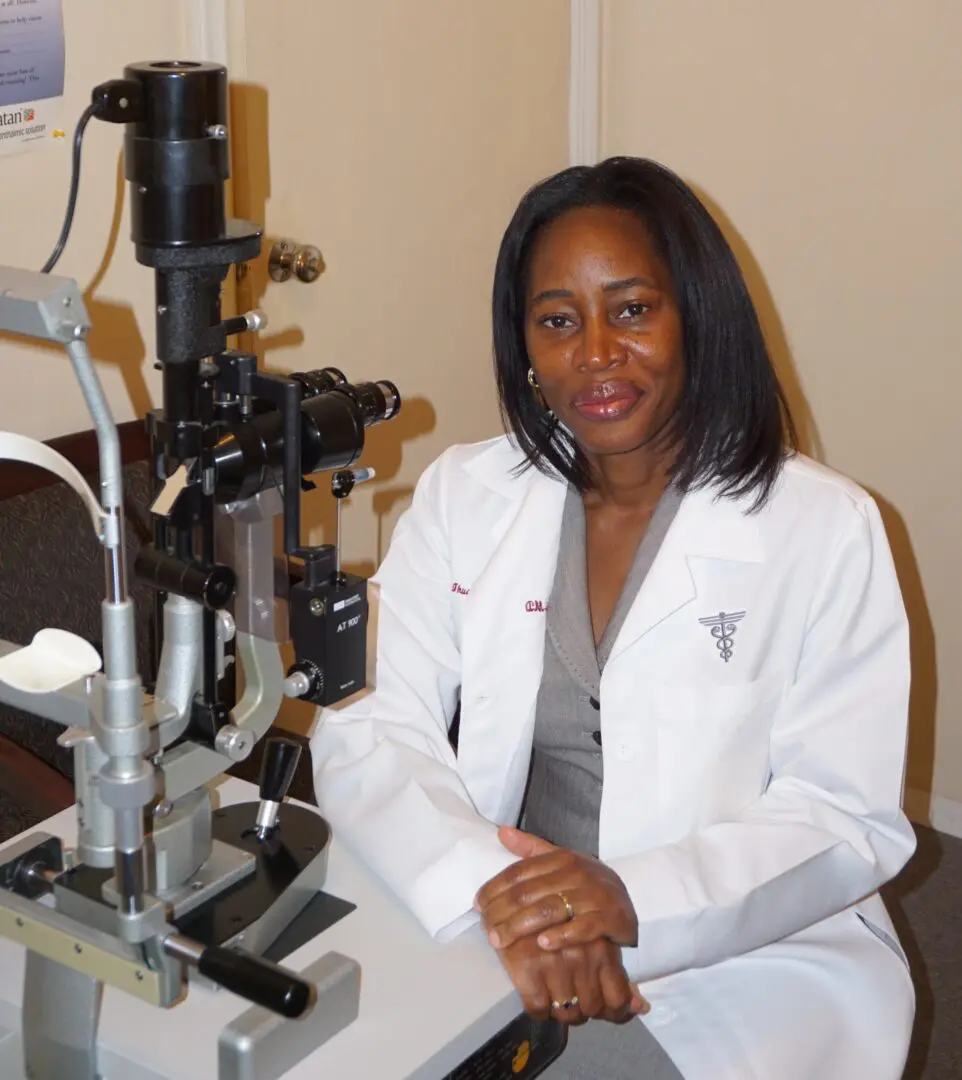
x=710, y=701
x=713, y=749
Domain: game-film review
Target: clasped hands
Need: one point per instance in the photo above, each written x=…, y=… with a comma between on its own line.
x=558, y=920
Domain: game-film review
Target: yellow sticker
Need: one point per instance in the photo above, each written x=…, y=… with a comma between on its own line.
x=520, y=1059
x=58, y=134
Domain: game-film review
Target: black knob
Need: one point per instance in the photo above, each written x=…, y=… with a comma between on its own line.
x=278, y=767
x=257, y=980
x=213, y=586
x=314, y=675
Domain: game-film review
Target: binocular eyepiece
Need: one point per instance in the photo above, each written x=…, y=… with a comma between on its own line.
x=376, y=401
x=334, y=416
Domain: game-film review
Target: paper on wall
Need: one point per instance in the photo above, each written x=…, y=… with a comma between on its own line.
x=32, y=54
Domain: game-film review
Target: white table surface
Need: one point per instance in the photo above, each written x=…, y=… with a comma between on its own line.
x=424, y=1007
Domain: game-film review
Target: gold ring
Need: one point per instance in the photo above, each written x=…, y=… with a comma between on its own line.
x=565, y=1004
x=569, y=910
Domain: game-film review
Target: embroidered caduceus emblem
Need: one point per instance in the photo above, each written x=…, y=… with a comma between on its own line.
x=723, y=631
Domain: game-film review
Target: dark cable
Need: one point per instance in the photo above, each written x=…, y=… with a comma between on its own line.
x=90, y=111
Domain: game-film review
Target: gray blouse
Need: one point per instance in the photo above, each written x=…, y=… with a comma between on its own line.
x=563, y=799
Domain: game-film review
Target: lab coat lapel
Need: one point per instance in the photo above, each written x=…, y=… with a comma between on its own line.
x=705, y=526
x=503, y=646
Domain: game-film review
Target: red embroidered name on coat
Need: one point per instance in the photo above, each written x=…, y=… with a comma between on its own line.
x=459, y=589
x=536, y=605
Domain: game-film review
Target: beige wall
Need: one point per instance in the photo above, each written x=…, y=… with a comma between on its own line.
x=826, y=137
x=397, y=138
x=39, y=396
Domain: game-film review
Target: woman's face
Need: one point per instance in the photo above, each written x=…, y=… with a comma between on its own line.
x=603, y=330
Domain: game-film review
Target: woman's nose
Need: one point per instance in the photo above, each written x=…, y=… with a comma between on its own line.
x=599, y=346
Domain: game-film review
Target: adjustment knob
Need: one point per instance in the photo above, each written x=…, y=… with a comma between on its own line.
x=305, y=680
x=277, y=771
x=234, y=742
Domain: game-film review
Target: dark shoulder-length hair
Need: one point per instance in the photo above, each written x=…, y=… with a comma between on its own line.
x=734, y=427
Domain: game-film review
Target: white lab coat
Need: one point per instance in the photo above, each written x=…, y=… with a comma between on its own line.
x=751, y=804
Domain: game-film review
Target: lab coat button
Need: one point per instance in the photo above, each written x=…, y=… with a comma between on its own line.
x=625, y=752
x=660, y=1015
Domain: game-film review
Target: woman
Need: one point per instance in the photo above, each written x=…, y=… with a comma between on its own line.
x=681, y=658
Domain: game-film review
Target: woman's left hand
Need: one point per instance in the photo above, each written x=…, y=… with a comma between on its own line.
x=563, y=897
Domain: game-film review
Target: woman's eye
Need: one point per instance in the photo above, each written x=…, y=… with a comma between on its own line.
x=556, y=322
x=633, y=310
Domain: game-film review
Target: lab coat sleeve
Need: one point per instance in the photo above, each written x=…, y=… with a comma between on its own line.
x=828, y=830
x=385, y=774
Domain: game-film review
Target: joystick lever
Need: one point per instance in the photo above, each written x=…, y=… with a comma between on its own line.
x=277, y=771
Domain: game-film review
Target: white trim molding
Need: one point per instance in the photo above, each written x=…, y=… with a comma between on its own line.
x=944, y=815
x=214, y=30
x=584, y=83
x=205, y=30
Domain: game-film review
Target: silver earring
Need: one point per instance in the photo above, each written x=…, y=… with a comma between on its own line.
x=532, y=379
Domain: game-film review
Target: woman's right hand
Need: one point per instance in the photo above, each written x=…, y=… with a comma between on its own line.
x=592, y=975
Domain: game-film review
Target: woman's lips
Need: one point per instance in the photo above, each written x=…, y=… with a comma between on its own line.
x=607, y=400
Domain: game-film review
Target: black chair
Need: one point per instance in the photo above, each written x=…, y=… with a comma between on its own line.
x=51, y=574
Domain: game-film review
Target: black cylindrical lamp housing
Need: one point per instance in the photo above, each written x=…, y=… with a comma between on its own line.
x=176, y=154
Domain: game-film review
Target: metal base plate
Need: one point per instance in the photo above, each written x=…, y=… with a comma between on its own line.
x=228, y=907
x=301, y=838
x=224, y=866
